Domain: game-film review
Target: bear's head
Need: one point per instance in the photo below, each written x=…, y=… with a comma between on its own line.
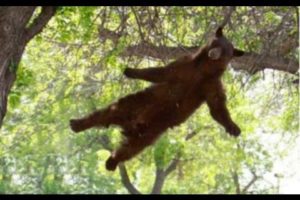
x=220, y=49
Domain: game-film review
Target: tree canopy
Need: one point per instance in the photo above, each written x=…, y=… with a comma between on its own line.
x=73, y=63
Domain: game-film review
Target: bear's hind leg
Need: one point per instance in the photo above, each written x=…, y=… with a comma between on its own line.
x=130, y=148
x=98, y=118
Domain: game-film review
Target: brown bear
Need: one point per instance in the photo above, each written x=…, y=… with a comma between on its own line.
x=178, y=90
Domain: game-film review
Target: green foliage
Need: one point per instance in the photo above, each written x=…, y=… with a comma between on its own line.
x=164, y=151
x=67, y=72
x=75, y=22
x=24, y=79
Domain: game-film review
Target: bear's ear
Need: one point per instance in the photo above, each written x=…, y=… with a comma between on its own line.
x=238, y=53
x=219, y=32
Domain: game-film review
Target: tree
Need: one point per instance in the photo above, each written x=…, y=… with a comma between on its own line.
x=17, y=29
x=75, y=66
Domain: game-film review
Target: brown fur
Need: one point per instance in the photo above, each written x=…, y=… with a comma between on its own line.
x=179, y=89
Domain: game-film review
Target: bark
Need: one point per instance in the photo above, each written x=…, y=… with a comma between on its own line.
x=251, y=62
x=15, y=33
x=126, y=181
x=252, y=181
x=161, y=174
x=160, y=177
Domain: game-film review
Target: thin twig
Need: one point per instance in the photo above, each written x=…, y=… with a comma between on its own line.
x=236, y=182
x=250, y=183
x=297, y=14
x=138, y=23
x=227, y=16
x=190, y=135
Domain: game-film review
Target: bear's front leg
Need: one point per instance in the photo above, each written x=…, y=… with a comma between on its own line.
x=153, y=74
x=233, y=129
x=216, y=101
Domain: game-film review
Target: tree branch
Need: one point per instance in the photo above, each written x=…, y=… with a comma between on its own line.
x=250, y=59
x=246, y=62
x=172, y=166
x=105, y=34
x=126, y=181
x=157, y=52
x=160, y=177
x=250, y=183
x=236, y=182
x=138, y=23
x=251, y=62
x=104, y=140
x=175, y=161
x=227, y=16
x=297, y=14
x=161, y=174
x=39, y=22
x=190, y=135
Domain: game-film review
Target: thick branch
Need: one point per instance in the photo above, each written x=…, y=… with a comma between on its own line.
x=245, y=62
x=175, y=161
x=287, y=45
x=157, y=52
x=39, y=22
x=13, y=38
x=250, y=61
x=160, y=177
x=126, y=181
x=172, y=166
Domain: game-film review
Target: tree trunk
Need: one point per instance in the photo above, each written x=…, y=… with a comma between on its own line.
x=159, y=181
x=15, y=33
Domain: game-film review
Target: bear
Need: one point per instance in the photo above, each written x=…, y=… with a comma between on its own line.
x=178, y=89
